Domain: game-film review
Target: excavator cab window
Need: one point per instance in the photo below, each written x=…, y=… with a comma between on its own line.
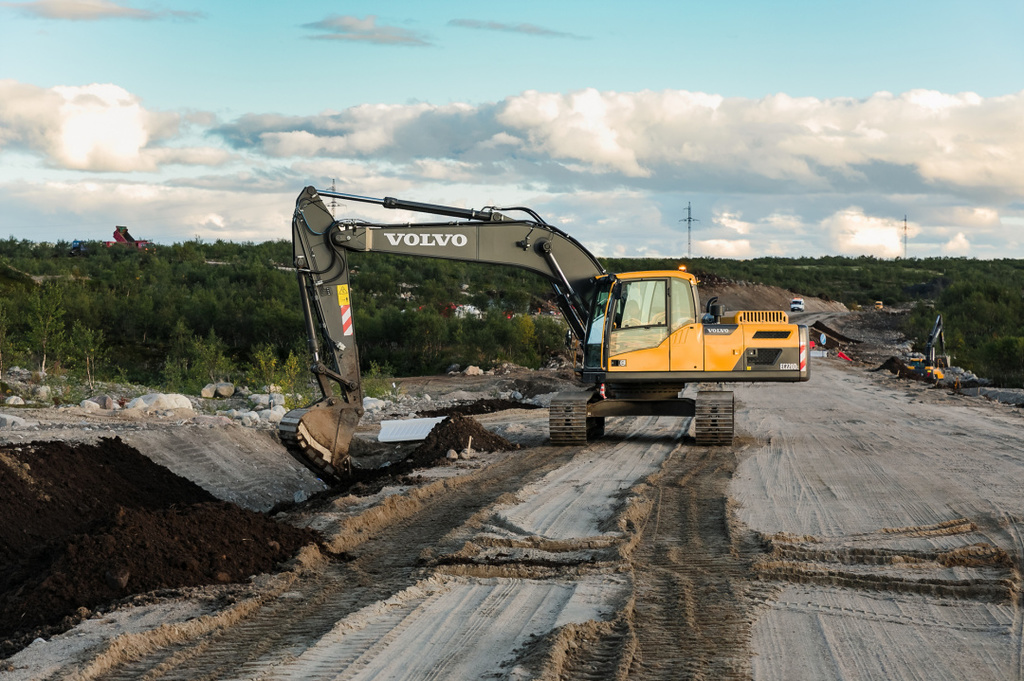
x=683, y=306
x=595, y=334
x=639, y=320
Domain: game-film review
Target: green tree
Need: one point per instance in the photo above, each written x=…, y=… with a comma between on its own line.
x=264, y=370
x=89, y=348
x=46, y=335
x=5, y=339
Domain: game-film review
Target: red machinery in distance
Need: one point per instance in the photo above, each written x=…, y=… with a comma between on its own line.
x=122, y=237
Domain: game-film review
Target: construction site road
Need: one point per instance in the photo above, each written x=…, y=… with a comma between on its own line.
x=860, y=527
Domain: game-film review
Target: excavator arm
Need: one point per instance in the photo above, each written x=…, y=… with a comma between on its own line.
x=319, y=435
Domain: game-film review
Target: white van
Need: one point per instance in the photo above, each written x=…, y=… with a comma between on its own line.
x=796, y=305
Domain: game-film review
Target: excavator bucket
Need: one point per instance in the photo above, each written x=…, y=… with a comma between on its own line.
x=319, y=436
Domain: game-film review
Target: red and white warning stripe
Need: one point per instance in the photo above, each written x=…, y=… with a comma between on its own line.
x=346, y=320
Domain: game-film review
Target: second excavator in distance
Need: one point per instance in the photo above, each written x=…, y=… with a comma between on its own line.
x=644, y=336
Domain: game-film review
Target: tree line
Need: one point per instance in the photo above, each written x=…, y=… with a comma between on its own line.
x=183, y=315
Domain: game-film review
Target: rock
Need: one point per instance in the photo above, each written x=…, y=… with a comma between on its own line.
x=160, y=402
x=19, y=374
x=249, y=419
x=12, y=422
x=225, y=389
x=103, y=402
x=89, y=404
x=208, y=392
x=14, y=401
x=452, y=455
x=218, y=420
x=117, y=580
x=41, y=392
x=453, y=368
x=473, y=371
x=276, y=399
x=259, y=401
x=373, y=404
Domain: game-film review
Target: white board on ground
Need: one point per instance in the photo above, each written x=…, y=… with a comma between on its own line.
x=407, y=430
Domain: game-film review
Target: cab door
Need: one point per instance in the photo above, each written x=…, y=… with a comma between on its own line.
x=687, y=334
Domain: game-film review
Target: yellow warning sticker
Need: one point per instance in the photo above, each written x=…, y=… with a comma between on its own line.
x=343, y=295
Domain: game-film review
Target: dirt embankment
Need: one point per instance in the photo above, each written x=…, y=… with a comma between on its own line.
x=743, y=296
x=86, y=525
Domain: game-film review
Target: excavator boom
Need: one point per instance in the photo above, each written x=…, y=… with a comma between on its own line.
x=319, y=435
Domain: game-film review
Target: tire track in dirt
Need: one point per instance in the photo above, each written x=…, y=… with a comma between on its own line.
x=695, y=593
x=384, y=564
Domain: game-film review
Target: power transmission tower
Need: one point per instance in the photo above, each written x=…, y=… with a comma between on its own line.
x=689, y=220
x=904, y=237
x=334, y=199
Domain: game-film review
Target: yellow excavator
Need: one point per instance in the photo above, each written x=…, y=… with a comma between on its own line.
x=644, y=335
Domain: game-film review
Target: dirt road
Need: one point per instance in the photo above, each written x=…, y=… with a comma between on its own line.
x=859, y=528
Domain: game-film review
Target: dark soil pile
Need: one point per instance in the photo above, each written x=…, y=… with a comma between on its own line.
x=454, y=433
x=478, y=407
x=86, y=525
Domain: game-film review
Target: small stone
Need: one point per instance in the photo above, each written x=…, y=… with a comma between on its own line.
x=473, y=371
x=208, y=392
x=14, y=401
x=117, y=580
x=225, y=389
x=452, y=455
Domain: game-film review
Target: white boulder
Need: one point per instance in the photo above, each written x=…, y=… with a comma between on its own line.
x=160, y=402
x=371, y=404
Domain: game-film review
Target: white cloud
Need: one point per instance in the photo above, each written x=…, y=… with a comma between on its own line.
x=778, y=175
x=958, y=245
x=98, y=127
x=350, y=28
x=90, y=10
x=732, y=221
x=854, y=233
x=723, y=248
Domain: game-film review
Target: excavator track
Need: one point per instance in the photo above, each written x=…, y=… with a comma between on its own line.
x=306, y=450
x=714, y=419
x=567, y=418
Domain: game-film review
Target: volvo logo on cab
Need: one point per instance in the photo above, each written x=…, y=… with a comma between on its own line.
x=427, y=239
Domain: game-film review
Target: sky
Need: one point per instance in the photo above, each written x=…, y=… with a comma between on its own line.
x=789, y=128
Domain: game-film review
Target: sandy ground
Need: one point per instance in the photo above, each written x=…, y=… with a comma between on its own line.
x=861, y=527
x=899, y=508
